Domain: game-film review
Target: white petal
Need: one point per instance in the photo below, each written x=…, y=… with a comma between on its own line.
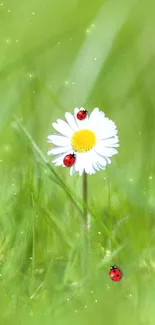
x=80, y=161
x=58, y=160
x=101, y=166
x=104, y=151
x=71, y=121
x=108, y=160
x=76, y=110
x=94, y=115
x=101, y=160
x=111, y=142
x=58, y=163
x=95, y=120
x=72, y=170
x=95, y=165
x=81, y=172
x=106, y=129
x=59, y=150
x=84, y=162
x=59, y=140
x=63, y=128
x=89, y=169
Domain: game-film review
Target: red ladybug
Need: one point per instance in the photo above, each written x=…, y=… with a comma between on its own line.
x=81, y=115
x=69, y=160
x=115, y=273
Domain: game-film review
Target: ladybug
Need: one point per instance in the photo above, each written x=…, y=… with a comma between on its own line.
x=81, y=115
x=115, y=273
x=69, y=160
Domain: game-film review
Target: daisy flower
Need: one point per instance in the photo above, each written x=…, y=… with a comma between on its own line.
x=84, y=143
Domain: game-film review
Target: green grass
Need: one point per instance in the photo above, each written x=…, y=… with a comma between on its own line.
x=54, y=56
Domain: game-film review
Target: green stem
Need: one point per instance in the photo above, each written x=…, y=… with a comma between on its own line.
x=85, y=225
x=85, y=207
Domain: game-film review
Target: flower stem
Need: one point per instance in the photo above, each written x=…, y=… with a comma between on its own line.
x=85, y=207
x=85, y=224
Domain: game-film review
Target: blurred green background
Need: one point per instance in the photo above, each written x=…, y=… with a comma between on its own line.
x=54, y=56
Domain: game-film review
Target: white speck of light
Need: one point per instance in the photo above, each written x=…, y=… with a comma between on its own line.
x=105, y=178
x=7, y=41
x=1, y=4
x=66, y=82
x=150, y=177
x=58, y=43
x=73, y=83
x=92, y=292
x=95, y=300
x=22, y=232
x=92, y=25
x=0, y=274
x=68, y=299
x=9, y=10
x=1, y=160
x=131, y=179
x=30, y=75
x=87, y=31
x=99, y=232
x=17, y=41
x=76, y=311
x=85, y=306
x=95, y=59
x=30, y=258
x=33, y=13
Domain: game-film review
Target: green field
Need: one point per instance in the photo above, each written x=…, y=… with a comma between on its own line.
x=54, y=56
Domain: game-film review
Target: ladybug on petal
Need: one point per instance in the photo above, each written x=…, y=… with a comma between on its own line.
x=115, y=273
x=81, y=115
x=69, y=160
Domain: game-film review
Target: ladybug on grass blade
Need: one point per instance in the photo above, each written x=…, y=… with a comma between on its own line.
x=115, y=273
x=69, y=160
x=81, y=115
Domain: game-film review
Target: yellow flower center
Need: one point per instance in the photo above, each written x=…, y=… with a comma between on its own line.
x=83, y=140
